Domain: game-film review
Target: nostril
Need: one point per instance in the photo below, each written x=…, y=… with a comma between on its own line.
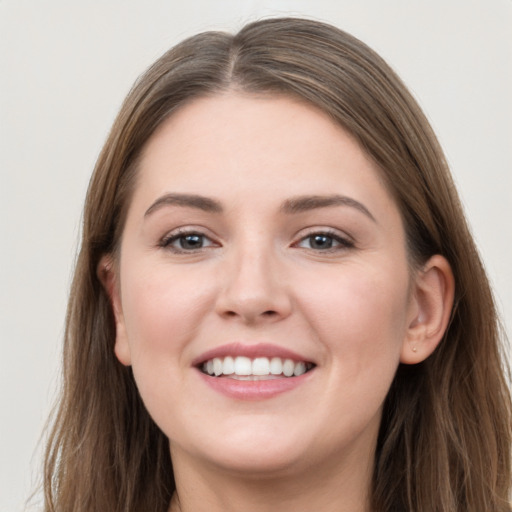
x=267, y=314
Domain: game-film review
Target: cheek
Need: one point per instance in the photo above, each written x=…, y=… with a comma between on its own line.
x=359, y=313
x=162, y=310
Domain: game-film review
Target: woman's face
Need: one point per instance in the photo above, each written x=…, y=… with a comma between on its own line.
x=261, y=240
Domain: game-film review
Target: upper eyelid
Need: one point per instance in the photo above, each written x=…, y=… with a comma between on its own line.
x=297, y=237
x=179, y=232
x=188, y=230
x=323, y=230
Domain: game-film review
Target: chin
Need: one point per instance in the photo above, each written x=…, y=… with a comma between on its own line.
x=261, y=449
x=272, y=461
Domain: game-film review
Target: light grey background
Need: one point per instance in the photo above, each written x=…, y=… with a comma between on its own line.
x=65, y=67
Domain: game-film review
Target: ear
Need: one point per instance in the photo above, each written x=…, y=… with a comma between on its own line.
x=107, y=275
x=431, y=305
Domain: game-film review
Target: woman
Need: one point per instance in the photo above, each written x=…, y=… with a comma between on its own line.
x=277, y=304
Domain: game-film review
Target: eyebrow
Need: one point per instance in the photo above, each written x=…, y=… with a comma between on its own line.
x=290, y=206
x=305, y=203
x=185, y=200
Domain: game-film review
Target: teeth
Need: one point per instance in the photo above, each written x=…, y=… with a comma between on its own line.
x=276, y=366
x=288, y=367
x=228, y=366
x=243, y=366
x=260, y=366
x=217, y=366
x=299, y=369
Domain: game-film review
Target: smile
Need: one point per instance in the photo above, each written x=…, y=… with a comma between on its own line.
x=247, y=371
x=258, y=368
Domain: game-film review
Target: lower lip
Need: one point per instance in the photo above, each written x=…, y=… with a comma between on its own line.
x=254, y=389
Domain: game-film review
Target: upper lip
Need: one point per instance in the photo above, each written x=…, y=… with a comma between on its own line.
x=249, y=350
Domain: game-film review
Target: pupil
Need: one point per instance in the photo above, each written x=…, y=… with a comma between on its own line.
x=191, y=242
x=321, y=242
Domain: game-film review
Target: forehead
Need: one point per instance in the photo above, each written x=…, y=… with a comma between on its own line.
x=243, y=146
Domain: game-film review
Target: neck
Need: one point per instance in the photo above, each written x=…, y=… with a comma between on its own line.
x=336, y=487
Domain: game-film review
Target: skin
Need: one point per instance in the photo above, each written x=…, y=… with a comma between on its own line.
x=356, y=310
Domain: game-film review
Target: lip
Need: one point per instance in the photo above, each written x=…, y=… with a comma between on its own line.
x=254, y=389
x=249, y=350
x=247, y=389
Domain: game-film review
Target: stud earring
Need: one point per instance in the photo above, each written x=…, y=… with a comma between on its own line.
x=415, y=349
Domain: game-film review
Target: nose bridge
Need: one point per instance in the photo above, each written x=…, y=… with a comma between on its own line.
x=253, y=283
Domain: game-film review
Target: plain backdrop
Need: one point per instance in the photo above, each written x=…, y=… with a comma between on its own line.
x=65, y=67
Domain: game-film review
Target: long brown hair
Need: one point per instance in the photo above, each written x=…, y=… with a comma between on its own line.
x=445, y=437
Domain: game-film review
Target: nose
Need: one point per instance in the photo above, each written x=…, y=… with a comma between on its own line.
x=253, y=289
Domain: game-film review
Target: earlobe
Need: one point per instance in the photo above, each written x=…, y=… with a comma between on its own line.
x=107, y=276
x=432, y=296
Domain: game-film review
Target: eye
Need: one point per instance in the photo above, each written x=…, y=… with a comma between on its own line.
x=324, y=241
x=186, y=242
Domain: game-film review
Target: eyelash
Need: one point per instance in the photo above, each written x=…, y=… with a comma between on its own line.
x=181, y=235
x=341, y=243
